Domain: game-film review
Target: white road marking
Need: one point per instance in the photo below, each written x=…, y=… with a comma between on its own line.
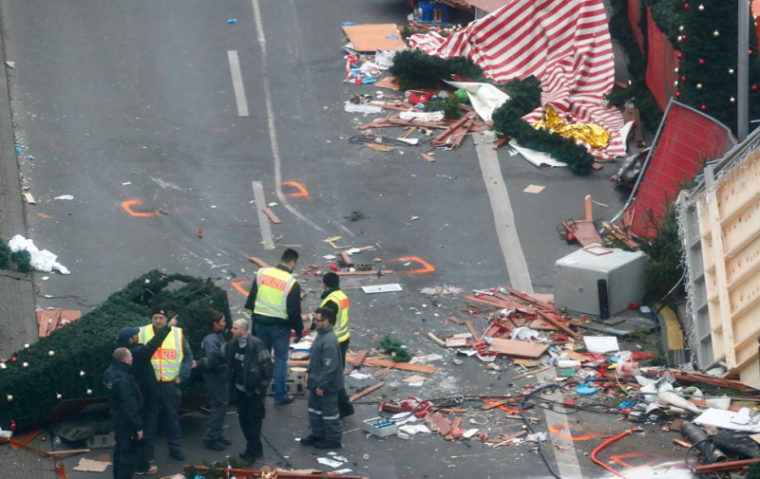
x=504, y=217
x=565, y=454
x=266, y=228
x=270, y=119
x=237, y=83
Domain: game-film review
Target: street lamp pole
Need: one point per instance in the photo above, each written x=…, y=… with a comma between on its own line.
x=743, y=94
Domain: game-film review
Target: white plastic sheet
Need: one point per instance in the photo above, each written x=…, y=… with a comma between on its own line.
x=43, y=261
x=484, y=98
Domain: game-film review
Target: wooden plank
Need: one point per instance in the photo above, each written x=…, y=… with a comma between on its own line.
x=518, y=348
x=475, y=335
x=363, y=273
x=725, y=466
x=257, y=261
x=427, y=157
x=385, y=363
x=556, y=322
x=534, y=371
x=436, y=339
x=444, y=425
x=366, y=391
x=19, y=443
x=530, y=299
x=359, y=358
x=346, y=259
x=272, y=217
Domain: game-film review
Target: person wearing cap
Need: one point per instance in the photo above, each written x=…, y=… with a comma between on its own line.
x=129, y=337
x=172, y=363
x=213, y=363
x=324, y=381
x=125, y=402
x=275, y=302
x=336, y=300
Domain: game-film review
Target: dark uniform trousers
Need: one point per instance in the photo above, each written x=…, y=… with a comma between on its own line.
x=344, y=404
x=124, y=455
x=251, y=413
x=144, y=448
x=324, y=418
x=168, y=399
x=217, y=386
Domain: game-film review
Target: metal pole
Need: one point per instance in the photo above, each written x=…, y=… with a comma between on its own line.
x=743, y=94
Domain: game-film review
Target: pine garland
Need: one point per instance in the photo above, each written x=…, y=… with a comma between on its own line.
x=525, y=96
x=396, y=349
x=86, y=346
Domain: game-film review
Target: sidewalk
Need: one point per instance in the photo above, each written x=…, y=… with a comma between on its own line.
x=17, y=315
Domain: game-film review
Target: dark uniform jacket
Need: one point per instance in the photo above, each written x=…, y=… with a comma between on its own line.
x=325, y=364
x=257, y=365
x=143, y=369
x=213, y=353
x=124, y=398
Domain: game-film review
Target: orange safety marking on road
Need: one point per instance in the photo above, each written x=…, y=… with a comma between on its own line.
x=301, y=193
x=426, y=267
x=127, y=205
x=557, y=431
x=506, y=409
x=632, y=455
x=237, y=285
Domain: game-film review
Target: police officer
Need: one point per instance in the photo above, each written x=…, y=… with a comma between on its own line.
x=125, y=401
x=213, y=363
x=337, y=301
x=275, y=300
x=324, y=381
x=129, y=337
x=172, y=364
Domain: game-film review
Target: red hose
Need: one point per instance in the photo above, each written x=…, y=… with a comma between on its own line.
x=607, y=443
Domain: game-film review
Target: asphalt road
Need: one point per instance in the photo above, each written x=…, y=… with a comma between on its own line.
x=119, y=101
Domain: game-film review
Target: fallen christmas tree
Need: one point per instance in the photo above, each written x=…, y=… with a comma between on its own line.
x=69, y=363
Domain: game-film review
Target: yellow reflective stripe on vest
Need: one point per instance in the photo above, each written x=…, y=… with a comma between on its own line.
x=272, y=288
x=167, y=360
x=341, y=323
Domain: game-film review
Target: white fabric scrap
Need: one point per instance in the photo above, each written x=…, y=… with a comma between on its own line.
x=43, y=261
x=541, y=160
x=485, y=98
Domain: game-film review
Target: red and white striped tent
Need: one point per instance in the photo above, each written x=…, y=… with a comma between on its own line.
x=564, y=43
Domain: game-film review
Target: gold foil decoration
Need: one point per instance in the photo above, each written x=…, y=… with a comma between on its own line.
x=588, y=133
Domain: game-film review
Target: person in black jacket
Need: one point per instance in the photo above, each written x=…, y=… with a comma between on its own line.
x=146, y=381
x=213, y=363
x=125, y=401
x=250, y=368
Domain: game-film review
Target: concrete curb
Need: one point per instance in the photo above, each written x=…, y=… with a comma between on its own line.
x=12, y=183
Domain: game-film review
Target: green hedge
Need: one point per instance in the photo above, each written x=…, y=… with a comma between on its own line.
x=87, y=344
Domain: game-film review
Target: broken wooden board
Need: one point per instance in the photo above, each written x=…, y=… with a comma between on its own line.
x=370, y=38
x=518, y=348
x=389, y=82
x=272, y=217
x=257, y=261
x=366, y=391
x=359, y=358
x=387, y=363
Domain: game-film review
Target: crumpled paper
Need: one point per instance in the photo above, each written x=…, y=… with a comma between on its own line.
x=589, y=133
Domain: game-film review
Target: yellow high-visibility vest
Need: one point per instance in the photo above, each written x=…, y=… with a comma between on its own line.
x=168, y=358
x=273, y=286
x=341, y=322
